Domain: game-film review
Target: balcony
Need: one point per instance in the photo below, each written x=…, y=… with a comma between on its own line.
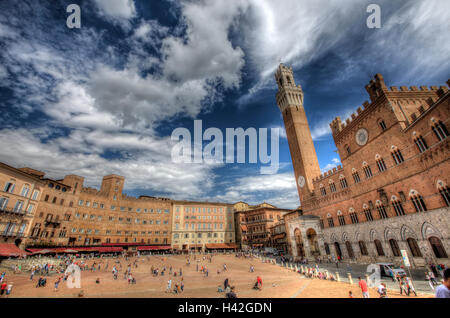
x=12, y=212
x=12, y=234
x=53, y=223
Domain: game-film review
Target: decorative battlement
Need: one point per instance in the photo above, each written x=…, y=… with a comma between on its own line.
x=377, y=87
x=337, y=125
x=328, y=173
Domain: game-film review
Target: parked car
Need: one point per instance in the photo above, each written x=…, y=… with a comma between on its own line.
x=385, y=267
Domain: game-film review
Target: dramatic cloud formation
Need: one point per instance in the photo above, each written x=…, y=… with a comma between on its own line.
x=103, y=99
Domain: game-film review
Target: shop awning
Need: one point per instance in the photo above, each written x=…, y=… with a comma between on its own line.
x=220, y=246
x=41, y=250
x=110, y=249
x=176, y=247
x=244, y=228
x=195, y=246
x=154, y=248
x=11, y=250
x=279, y=236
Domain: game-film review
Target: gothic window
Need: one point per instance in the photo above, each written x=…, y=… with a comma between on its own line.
x=440, y=130
x=382, y=125
x=421, y=143
x=397, y=155
x=363, y=248
x=397, y=205
x=380, y=163
x=437, y=247
x=417, y=201
x=443, y=190
x=343, y=182
x=354, y=218
x=394, y=247
x=330, y=222
x=347, y=148
x=356, y=176
x=367, y=170
x=414, y=247
x=368, y=214
x=381, y=210
x=379, y=248
x=332, y=186
x=341, y=218
x=322, y=190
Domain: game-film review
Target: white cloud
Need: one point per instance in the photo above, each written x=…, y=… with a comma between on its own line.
x=117, y=9
x=333, y=164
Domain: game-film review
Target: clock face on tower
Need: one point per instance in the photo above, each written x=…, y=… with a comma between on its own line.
x=301, y=181
x=362, y=136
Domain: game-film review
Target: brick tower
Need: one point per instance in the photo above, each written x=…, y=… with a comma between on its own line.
x=304, y=158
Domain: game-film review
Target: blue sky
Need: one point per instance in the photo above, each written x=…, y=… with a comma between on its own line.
x=105, y=98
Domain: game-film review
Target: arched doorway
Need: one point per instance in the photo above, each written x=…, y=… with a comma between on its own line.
x=338, y=250
x=438, y=248
x=299, y=243
x=312, y=240
x=349, y=249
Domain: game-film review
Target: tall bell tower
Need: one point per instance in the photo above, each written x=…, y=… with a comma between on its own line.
x=304, y=158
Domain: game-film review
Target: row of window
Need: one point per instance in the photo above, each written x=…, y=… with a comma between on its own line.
x=99, y=218
x=122, y=208
x=435, y=243
x=199, y=235
x=10, y=186
x=397, y=206
x=108, y=232
x=199, y=210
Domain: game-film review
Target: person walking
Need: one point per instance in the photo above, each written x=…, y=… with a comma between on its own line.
x=443, y=290
x=410, y=286
x=363, y=285
x=169, y=286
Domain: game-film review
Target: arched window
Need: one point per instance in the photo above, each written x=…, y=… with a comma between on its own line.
x=367, y=213
x=417, y=201
x=394, y=247
x=327, y=249
x=444, y=191
x=332, y=186
x=355, y=175
x=367, y=170
x=379, y=247
x=437, y=247
x=363, y=248
x=381, y=210
x=349, y=249
x=380, y=163
x=439, y=129
x=397, y=155
x=341, y=218
x=414, y=247
x=330, y=222
x=322, y=190
x=397, y=205
x=420, y=142
x=343, y=181
x=353, y=216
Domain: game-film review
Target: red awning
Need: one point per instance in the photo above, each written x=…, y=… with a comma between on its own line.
x=109, y=249
x=244, y=228
x=153, y=248
x=11, y=250
x=219, y=246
